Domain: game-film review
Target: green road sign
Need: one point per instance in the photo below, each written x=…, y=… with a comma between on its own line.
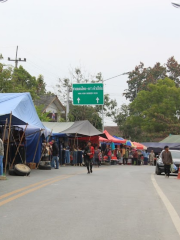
x=88, y=94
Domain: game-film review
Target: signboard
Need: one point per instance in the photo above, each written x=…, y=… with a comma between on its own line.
x=88, y=94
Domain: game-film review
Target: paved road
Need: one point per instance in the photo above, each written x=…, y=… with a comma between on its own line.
x=115, y=202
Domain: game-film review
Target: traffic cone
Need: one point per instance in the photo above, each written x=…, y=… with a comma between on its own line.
x=178, y=177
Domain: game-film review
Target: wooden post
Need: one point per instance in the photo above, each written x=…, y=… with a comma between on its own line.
x=37, y=145
x=7, y=149
x=5, y=130
x=75, y=140
x=19, y=145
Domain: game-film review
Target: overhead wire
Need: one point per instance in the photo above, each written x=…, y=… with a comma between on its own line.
x=42, y=60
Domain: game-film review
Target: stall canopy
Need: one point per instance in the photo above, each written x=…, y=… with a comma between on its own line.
x=23, y=112
x=22, y=108
x=84, y=128
x=58, y=127
x=158, y=147
x=110, y=138
x=120, y=138
x=128, y=142
x=171, y=139
x=139, y=146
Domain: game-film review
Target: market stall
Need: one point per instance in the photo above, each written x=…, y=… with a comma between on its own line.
x=18, y=111
x=112, y=143
x=79, y=134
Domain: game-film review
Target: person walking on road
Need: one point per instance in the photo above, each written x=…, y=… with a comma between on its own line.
x=55, y=153
x=1, y=156
x=151, y=158
x=167, y=160
x=89, y=154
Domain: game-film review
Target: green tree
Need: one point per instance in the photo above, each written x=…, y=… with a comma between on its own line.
x=5, y=76
x=156, y=110
x=15, y=80
x=141, y=77
x=43, y=116
x=40, y=85
x=127, y=129
x=78, y=113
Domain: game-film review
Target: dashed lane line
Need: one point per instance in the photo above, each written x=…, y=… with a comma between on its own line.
x=171, y=210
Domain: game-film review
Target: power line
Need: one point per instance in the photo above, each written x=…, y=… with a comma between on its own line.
x=16, y=60
x=116, y=76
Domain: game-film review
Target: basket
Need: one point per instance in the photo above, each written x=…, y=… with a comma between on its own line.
x=32, y=165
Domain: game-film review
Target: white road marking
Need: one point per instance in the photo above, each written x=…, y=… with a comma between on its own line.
x=172, y=212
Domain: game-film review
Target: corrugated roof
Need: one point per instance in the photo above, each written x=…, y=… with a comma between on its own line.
x=58, y=127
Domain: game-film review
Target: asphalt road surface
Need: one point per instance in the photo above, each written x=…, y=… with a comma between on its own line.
x=115, y=202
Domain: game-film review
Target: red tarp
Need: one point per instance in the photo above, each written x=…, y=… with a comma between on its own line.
x=111, y=138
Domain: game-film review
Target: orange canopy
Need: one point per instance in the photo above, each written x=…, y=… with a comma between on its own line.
x=111, y=138
x=139, y=146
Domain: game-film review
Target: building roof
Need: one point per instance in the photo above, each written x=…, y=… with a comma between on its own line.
x=47, y=100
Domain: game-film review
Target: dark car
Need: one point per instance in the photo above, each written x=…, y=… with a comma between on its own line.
x=160, y=165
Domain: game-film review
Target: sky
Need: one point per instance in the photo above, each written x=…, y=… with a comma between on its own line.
x=109, y=36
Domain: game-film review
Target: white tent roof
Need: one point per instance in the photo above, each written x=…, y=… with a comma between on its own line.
x=58, y=127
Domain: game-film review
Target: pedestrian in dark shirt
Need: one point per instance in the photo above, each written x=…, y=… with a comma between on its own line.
x=88, y=155
x=167, y=160
x=55, y=153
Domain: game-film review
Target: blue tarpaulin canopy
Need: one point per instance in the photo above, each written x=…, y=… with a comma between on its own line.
x=120, y=138
x=22, y=108
x=23, y=112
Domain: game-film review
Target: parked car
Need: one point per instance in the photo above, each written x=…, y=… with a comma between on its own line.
x=160, y=166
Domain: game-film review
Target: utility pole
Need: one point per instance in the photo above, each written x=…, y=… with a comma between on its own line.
x=16, y=60
x=67, y=103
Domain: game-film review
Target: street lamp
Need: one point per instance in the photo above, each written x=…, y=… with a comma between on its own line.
x=176, y=5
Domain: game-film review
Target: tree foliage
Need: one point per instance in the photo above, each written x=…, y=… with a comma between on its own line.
x=78, y=113
x=43, y=116
x=156, y=110
x=17, y=80
x=141, y=77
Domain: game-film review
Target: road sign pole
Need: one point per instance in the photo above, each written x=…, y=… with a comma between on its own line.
x=103, y=109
